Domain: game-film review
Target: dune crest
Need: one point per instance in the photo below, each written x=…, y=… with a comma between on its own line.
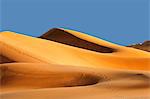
x=62, y=36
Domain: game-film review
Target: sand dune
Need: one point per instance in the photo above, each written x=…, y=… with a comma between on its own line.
x=61, y=36
x=17, y=76
x=142, y=46
x=71, y=65
x=39, y=50
x=40, y=81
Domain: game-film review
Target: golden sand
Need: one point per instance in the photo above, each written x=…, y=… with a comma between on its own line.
x=35, y=68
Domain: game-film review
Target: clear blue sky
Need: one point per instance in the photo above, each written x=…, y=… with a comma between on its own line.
x=119, y=21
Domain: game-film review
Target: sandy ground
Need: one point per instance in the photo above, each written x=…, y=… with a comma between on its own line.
x=71, y=65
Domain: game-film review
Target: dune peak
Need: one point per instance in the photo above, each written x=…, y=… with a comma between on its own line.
x=61, y=36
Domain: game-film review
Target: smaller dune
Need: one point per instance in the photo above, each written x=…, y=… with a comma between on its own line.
x=22, y=76
x=143, y=46
x=17, y=76
x=61, y=36
x=41, y=81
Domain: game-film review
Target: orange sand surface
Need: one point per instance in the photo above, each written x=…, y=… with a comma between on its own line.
x=82, y=67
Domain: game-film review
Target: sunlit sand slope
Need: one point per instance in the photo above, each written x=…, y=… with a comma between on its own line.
x=23, y=48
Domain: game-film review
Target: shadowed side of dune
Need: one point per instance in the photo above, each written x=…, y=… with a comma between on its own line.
x=4, y=59
x=61, y=36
